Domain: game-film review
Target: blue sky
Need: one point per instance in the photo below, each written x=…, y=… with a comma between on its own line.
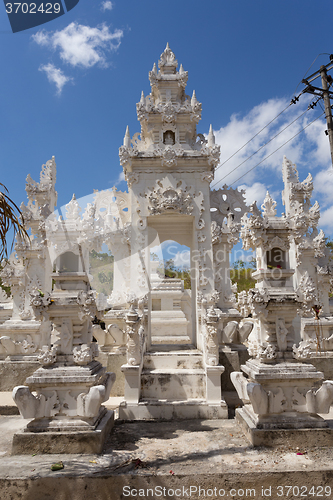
x=69, y=88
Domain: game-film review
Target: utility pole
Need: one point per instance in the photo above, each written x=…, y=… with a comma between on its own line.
x=328, y=109
x=322, y=93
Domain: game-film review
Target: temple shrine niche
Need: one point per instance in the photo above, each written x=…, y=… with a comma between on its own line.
x=176, y=352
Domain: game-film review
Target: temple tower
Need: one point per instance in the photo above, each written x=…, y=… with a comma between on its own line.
x=168, y=168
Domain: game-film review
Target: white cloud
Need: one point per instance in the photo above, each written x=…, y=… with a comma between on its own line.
x=56, y=76
x=106, y=6
x=308, y=147
x=326, y=219
x=121, y=177
x=81, y=45
x=256, y=192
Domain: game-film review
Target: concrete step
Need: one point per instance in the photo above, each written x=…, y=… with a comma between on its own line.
x=172, y=339
x=173, y=384
x=173, y=360
x=172, y=410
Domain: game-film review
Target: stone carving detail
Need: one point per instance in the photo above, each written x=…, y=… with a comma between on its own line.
x=253, y=231
x=267, y=353
x=319, y=401
x=210, y=320
x=47, y=357
x=277, y=242
x=307, y=295
x=257, y=299
x=269, y=206
x=83, y=355
x=169, y=157
x=171, y=196
x=134, y=335
x=281, y=334
x=304, y=349
x=88, y=305
x=229, y=205
x=73, y=210
x=39, y=302
x=237, y=333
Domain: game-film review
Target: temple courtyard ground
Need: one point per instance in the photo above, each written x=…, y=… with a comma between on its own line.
x=175, y=460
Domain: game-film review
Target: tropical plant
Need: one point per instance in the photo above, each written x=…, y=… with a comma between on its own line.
x=10, y=216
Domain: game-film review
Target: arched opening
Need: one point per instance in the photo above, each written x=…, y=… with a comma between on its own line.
x=101, y=270
x=172, y=274
x=276, y=258
x=170, y=290
x=67, y=262
x=169, y=138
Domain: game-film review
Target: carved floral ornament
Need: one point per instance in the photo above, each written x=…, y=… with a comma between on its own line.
x=170, y=196
x=269, y=206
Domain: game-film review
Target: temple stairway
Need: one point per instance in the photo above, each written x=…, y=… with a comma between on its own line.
x=173, y=386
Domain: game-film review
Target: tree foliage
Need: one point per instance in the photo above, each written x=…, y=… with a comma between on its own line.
x=169, y=270
x=241, y=273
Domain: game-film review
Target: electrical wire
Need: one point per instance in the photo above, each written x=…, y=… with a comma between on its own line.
x=307, y=71
x=321, y=53
x=277, y=116
x=308, y=125
x=248, y=158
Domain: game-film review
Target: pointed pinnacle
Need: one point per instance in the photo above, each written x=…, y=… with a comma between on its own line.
x=181, y=69
x=167, y=46
x=142, y=100
x=211, y=137
x=127, y=138
x=154, y=70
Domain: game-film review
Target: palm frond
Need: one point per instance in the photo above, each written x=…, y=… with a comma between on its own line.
x=10, y=215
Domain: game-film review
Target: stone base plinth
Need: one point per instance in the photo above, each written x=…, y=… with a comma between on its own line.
x=319, y=435
x=173, y=410
x=28, y=443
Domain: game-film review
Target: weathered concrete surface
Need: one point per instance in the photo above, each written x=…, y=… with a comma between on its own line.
x=113, y=362
x=28, y=443
x=13, y=373
x=323, y=363
x=172, y=455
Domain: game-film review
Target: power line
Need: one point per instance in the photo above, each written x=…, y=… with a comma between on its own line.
x=321, y=54
x=308, y=125
x=248, y=158
x=254, y=136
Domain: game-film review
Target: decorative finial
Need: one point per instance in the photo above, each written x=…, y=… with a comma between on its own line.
x=167, y=62
x=154, y=70
x=194, y=99
x=127, y=138
x=268, y=207
x=142, y=100
x=73, y=197
x=211, y=137
x=181, y=70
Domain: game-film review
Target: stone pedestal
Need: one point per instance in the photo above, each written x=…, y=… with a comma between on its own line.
x=64, y=396
x=64, y=401
x=73, y=442
x=283, y=396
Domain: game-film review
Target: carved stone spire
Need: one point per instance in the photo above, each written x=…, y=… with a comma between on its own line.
x=127, y=138
x=211, y=137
